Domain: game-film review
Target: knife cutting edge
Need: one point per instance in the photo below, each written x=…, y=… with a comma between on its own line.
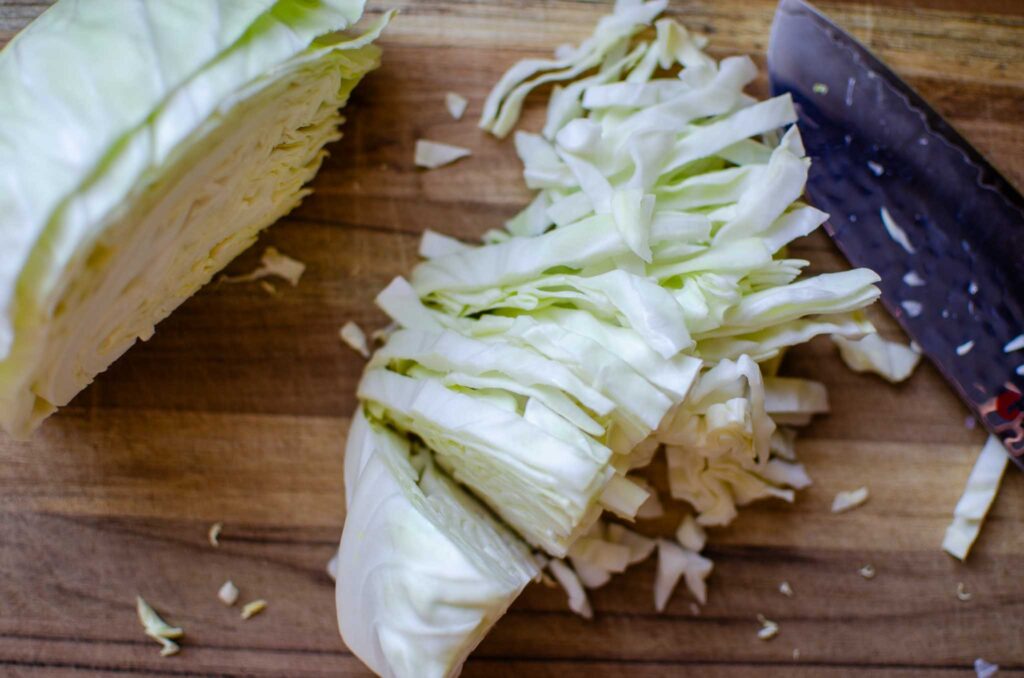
x=912, y=199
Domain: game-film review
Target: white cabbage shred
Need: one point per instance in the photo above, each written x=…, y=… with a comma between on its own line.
x=272, y=263
x=158, y=629
x=768, y=630
x=849, y=500
x=641, y=301
x=253, y=608
x=979, y=493
x=355, y=338
x=872, y=353
x=128, y=191
x=434, y=154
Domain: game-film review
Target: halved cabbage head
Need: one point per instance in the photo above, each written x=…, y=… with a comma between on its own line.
x=424, y=570
x=142, y=147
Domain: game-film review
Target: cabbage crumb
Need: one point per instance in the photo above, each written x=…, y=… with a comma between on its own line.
x=868, y=571
x=353, y=335
x=985, y=669
x=254, y=608
x=214, y=534
x=896, y=231
x=847, y=501
x=786, y=589
x=889, y=359
x=272, y=263
x=962, y=594
x=456, y=104
x=768, y=630
x=1015, y=344
x=434, y=154
x=569, y=581
x=228, y=593
x=158, y=629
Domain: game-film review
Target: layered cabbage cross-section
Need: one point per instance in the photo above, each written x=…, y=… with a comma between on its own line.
x=142, y=147
x=424, y=571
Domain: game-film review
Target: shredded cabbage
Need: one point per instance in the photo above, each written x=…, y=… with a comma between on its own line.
x=136, y=164
x=642, y=298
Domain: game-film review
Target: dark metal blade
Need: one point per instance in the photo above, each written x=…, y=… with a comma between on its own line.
x=875, y=143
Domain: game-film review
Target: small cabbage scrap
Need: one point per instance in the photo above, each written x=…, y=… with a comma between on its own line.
x=768, y=630
x=228, y=593
x=674, y=562
x=143, y=146
x=565, y=576
x=849, y=500
x=456, y=104
x=980, y=491
x=640, y=547
x=985, y=669
x=889, y=359
x=213, y=534
x=434, y=154
x=253, y=608
x=353, y=336
x=158, y=629
x=272, y=263
x=895, y=231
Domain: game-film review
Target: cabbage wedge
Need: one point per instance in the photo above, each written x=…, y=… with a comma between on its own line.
x=423, y=570
x=142, y=147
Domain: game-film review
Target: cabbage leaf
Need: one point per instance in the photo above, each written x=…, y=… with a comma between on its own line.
x=135, y=165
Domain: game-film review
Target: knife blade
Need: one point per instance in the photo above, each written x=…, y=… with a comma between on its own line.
x=912, y=199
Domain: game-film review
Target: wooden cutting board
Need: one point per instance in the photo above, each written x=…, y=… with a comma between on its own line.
x=236, y=412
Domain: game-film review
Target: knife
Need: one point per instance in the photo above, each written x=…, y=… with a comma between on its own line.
x=912, y=200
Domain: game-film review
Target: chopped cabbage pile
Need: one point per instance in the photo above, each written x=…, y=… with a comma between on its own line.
x=136, y=164
x=642, y=299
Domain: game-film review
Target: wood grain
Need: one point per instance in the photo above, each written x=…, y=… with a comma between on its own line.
x=236, y=412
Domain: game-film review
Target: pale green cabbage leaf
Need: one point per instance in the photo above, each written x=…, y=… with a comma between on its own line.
x=135, y=163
